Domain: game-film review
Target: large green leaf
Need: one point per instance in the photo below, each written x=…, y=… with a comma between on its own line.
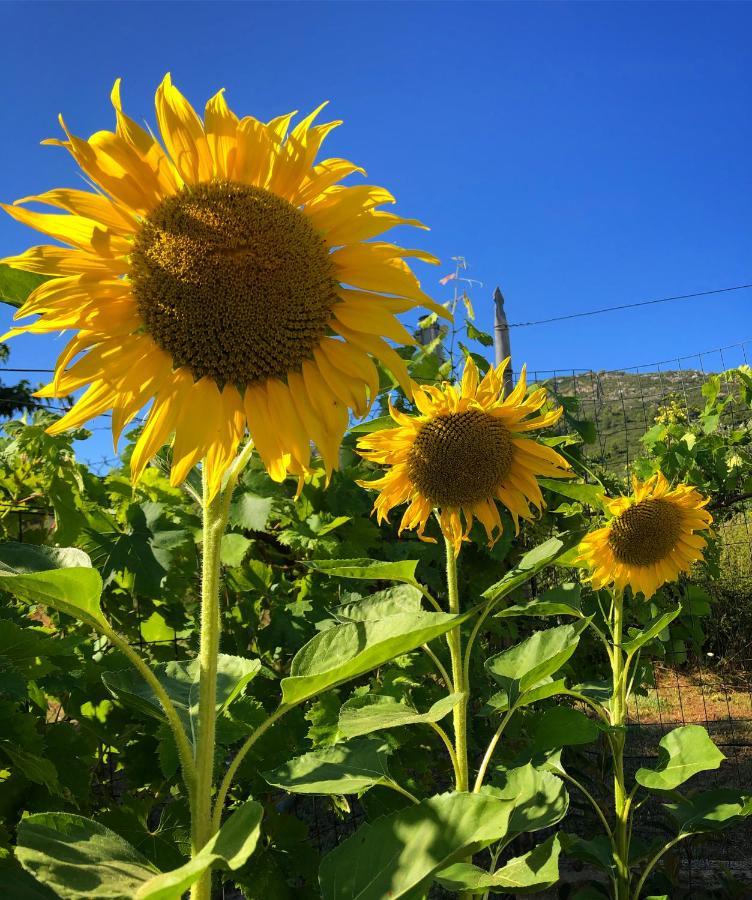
x=540, y=798
x=399, y=854
x=228, y=849
x=180, y=680
x=25, y=559
x=15, y=285
x=535, y=871
x=563, y=600
x=709, y=811
x=562, y=726
x=58, y=577
x=342, y=769
x=79, y=858
x=525, y=665
x=375, y=712
x=534, y=561
x=647, y=634
x=596, y=851
x=347, y=651
x=401, y=598
x=683, y=752
x=369, y=569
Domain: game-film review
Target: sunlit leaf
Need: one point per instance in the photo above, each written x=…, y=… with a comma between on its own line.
x=399, y=854
x=228, y=849
x=683, y=752
x=534, y=871
x=347, y=651
x=349, y=768
x=180, y=679
x=373, y=712
x=72, y=589
x=79, y=858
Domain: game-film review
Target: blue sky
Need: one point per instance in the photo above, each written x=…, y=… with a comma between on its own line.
x=580, y=155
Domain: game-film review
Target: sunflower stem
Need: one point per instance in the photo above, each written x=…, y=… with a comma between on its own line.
x=459, y=713
x=622, y=800
x=215, y=515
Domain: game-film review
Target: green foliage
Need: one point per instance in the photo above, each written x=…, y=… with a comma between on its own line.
x=398, y=854
x=684, y=752
x=325, y=611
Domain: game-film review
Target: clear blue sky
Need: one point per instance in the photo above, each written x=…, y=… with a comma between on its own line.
x=578, y=154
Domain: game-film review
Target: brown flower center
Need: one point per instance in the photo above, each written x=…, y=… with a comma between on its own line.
x=460, y=458
x=233, y=281
x=646, y=532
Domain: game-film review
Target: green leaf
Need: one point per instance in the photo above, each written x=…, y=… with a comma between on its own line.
x=374, y=712
x=476, y=334
x=342, y=769
x=229, y=849
x=180, y=680
x=597, y=851
x=559, y=601
x=537, y=870
x=658, y=625
x=45, y=575
x=683, y=753
x=524, y=666
x=346, y=651
x=399, y=854
x=36, y=768
x=540, y=798
x=548, y=688
x=251, y=512
x=25, y=559
x=589, y=494
x=15, y=285
x=370, y=569
x=534, y=561
x=234, y=548
x=562, y=726
x=392, y=601
x=79, y=858
x=709, y=811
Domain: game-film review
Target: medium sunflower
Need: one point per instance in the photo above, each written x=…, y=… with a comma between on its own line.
x=228, y=280
x=650, y=539
x=465, y=451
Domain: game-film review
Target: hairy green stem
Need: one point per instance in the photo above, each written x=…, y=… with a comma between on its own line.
x=454, y=639
x=622, y=801
x=215, y=513
x=654, y=860
x=185, y=751
x=445, y=677
x=490, y=750
x=232, y=770
x=593, y=802
x=448, y=744
x=396, y=786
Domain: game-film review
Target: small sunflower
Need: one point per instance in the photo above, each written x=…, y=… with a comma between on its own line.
x=650, y=539
x=463, y=453
x=227, y=279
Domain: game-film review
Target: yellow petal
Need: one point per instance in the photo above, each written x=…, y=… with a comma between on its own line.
x=183, y=134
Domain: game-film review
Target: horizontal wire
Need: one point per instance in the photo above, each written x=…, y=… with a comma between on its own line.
x=605, y=309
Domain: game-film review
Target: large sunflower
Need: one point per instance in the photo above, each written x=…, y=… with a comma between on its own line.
x=229, y=280
x=650, y=539
x=465, y=451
